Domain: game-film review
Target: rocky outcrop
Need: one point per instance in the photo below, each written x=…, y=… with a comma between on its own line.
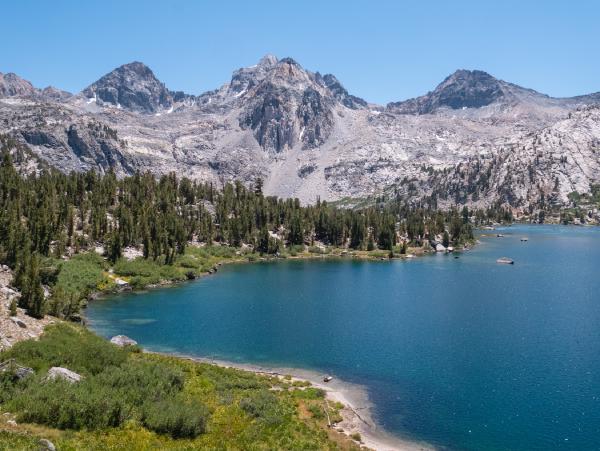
x=12, y=85
x=123, y=341
x=289, y=106
x=20, y=327
x=57, y=372
x=47, y=445
x=340, y=93
x=271, y=119
x=315, y=117
x=132, y=86
x=17, y=371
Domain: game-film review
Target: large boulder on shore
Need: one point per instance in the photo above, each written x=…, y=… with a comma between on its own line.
x=57, y=372
x=122, y=341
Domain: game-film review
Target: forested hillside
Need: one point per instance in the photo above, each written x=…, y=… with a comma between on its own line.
x=49, y=221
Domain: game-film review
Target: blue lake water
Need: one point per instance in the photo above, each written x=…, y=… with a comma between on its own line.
x=460, y=353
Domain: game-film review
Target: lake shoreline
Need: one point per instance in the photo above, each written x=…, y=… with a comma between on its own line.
x=357, y=412
x=337, y=255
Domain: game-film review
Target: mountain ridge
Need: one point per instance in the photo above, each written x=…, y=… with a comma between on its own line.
x=269, y=60
x=302, y=132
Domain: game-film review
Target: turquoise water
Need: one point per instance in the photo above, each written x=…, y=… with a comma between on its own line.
x=461, y=353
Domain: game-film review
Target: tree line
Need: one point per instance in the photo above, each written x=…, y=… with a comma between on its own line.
x=52, y=214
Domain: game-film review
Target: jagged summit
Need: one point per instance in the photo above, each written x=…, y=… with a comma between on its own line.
x=12, y=85
x=133, y=86
x=307, y=137
x=286, y=105
x=268, y=60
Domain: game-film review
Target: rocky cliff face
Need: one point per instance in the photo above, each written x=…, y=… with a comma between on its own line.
x=287, y=105
x=473, y=139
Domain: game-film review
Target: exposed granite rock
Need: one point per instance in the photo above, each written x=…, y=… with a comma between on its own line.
x=132, y=86
x=462, y=89
x=11, y=328
x=13, y=85
x=340, y=93
x=271, y=118
x=47, y=445
x=57, y=372
x=289, y=106
x=316, y=119
x=18, y=322
x=474, y=139
x=122, y=341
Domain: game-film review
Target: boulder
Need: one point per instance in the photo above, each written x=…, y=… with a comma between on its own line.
x=19, y=371
x=122, y=341
x=47, y=445
x=56, y=372
x=18, y=322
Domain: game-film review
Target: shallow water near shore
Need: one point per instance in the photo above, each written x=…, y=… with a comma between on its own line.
x=461, y=353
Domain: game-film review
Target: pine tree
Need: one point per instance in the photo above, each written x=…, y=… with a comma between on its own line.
x=32, y=293
x=13, y=307
x=446, y=239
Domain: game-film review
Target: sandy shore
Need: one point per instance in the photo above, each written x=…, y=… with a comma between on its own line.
x=357, y=415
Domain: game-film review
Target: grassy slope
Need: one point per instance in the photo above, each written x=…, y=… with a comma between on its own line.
x=244, y=410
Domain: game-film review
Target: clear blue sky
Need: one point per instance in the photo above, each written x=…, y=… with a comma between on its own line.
x=380, y=50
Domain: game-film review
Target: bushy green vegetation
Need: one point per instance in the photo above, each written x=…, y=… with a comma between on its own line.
x=115, y=388
x=154, y=401
x=82, y=274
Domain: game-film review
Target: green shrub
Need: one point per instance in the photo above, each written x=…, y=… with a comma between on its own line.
x=177, y=418
x=63, y=405
x=265, y=406
x=309, y=393
x=12, y=311
x=316, y=411
x=116, y=387
x=144, y=272
x=67, y=346
x=82, y=274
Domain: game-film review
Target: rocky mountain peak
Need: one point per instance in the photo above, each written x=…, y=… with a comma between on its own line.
x=246, y=78
x=12, y=85
x=462, y=89
x=468, y=88
x=268, y=60
x=286, y=105
x=288, y=72
x=132, y=86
